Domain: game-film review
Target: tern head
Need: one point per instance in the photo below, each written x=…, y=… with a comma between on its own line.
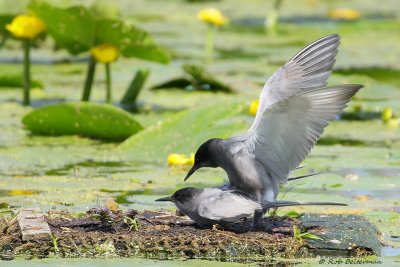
x=204, y=157
x=182, y=196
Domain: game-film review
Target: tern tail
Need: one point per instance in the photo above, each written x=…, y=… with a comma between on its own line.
x=283, y=203
x=304, y=176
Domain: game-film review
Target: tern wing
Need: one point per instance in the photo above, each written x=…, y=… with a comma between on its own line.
x=228, y=206
x=310, y=68
x=289, y=129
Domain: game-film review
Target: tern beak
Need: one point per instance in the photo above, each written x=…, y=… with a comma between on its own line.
x=165, y=199
x=192, y=170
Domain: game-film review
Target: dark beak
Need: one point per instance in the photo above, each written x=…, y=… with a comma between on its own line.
x=192, y=170
x=165, y=199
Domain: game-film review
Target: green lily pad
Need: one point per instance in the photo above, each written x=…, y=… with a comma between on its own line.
x=100, y=121
x=196, y=78
x=70, y=34
x=184, y=132
x=15, y=81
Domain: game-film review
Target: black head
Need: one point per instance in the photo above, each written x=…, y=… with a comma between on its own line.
x=182, y=195
x=204, y=157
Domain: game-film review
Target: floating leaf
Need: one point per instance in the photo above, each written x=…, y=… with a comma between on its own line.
x=336, y=185
x=195, y=79
x=16, y=81
x=381, y=74
x=183, y=132
x=100, y=121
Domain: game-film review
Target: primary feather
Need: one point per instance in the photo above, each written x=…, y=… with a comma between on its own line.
x=310, y=68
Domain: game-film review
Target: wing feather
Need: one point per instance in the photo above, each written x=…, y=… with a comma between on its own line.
x=289, y=129
x=310, y=68
x=229, y=207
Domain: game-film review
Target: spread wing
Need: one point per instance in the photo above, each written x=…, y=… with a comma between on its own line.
x=289, y=129
x=228, y=206
x=310, y=68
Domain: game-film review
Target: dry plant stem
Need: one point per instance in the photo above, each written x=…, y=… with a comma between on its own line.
x=89, y=79
x=27, y=72
x=108, y=83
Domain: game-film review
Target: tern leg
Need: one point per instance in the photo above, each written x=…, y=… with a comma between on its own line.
x=258, y=215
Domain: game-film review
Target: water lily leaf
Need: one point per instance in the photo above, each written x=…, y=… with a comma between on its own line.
x=196, y=79
x=180, y=83
x=381, y=74
x=131, y=41
x=79, y=30
x=100, y=121
x=183, y=132
x=74, y=32
x=15, y=81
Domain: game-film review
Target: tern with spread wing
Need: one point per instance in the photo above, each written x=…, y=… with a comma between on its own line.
x=294, y=108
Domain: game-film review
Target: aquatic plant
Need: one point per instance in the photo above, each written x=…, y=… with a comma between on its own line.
x=26, y=27
x=213, y=19
x=78, y=30
x=271, y=21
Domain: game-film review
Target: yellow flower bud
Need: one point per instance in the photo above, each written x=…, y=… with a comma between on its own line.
x=26, y=26
x=212, y=16
x=387, y=114
x=105, y=53
x=180, y=159
x=344, y=14
x=253, y=107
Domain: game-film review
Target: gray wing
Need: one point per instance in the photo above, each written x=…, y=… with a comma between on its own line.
x=228, y=206
x=289, y=129
x=310, y=68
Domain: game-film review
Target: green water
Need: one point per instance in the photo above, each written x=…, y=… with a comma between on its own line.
x=360, y=157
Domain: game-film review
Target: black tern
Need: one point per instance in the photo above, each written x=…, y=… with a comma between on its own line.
x=210, y=206
x=294, y=108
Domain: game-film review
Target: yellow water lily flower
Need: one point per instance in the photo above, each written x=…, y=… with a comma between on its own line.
x=387, y=114
x=344, y=14
x=212, y=16
x=26, y=26
x=105, y=53
x=180, y=159
x=253, y=107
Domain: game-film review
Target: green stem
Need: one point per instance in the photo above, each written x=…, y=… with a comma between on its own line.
x=273, y=16
x=209, y=46
x=3, y=40
x=89, y=79
x=108, y=83
x=27, y=72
